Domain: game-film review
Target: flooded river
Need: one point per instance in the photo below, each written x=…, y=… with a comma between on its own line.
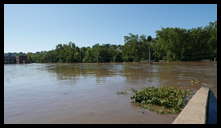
x=87, y=93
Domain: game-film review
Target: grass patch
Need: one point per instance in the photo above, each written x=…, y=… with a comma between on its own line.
x=162, y=100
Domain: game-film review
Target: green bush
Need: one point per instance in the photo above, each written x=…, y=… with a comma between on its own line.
x=162, y=99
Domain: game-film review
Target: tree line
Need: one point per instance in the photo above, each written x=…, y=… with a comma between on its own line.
x=170, y=44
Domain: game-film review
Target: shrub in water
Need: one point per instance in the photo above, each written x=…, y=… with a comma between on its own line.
x=162, y=99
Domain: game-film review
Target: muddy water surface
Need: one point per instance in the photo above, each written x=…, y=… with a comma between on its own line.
x=87, y=93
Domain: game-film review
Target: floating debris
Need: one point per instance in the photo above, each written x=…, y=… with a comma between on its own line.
x=195, y=82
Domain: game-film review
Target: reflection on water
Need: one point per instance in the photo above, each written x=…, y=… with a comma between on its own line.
x=86, y=93
x=140, y=73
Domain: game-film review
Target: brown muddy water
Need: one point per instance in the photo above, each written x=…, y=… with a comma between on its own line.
x=87, y=93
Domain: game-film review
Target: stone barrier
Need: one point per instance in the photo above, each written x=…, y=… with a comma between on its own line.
x=195, y=112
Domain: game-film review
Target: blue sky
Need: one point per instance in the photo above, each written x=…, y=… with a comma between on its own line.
x=31, y=28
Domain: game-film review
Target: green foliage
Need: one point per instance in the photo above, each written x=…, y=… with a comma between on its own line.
x=175, y=44
x=136, y=48
x=162, y=99
x=172, y=44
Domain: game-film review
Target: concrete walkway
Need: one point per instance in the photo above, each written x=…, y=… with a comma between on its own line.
x=195, y=111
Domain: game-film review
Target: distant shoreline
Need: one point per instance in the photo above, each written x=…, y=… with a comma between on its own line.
x=170, y=62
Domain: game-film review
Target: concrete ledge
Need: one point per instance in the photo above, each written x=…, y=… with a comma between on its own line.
x=195, y=111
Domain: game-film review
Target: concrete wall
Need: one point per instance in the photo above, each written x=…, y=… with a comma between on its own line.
x=195, y=112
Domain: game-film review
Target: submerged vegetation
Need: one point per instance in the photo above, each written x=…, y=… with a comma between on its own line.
x=122, y=92
x=127, y=91
x=171, y=44
x=162, y=100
